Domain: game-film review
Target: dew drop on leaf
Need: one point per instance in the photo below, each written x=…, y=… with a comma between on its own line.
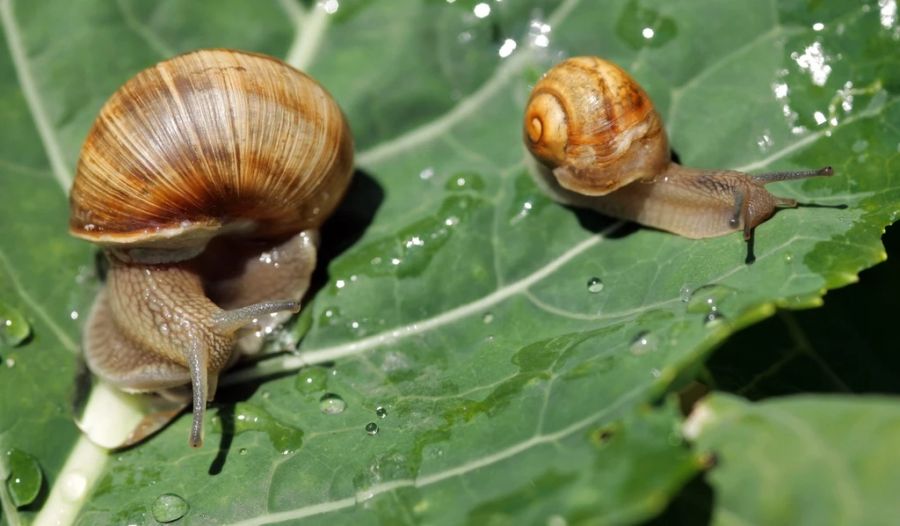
x=169, y=507
x=713, y=317
x=311, y=379
x=643, y=343
x=594, y=285
x=487, y=318
x=372, y=428
x=330, y=316
x=707, y=297
x=248, y=417
x=380, y=412
x=685, y=293
x=13, y=327
x=24, y=477
x=332, y=404
x=639, y=26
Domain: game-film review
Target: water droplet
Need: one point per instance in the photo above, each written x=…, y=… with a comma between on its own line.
x=705, y=300
x=481, y=10
x=642, y=27
x=643, y=343
x=765, y=141
x=594, y=285
x=380, y=412
x=242, y=451
x=815, y=61
x=311, y=379
x=248, y=417
x=414, y=241
x=10, y=363
x=13, y=327
x=713, y=317
x=506, y=49
x=332, y=404
x=330, y=316
x=487, y=318
x=330, y=6
x=372, y=428
x=788, y=257
x=888, y=14
x=465, y=181
x=169, y=507
x=655, y=373
x=706, y=297
x=426, y=173
x=685, y=293
x=539, y=32
x=24, y=477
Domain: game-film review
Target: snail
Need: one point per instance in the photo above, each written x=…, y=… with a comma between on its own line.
x=600, y=144
x=204, y=179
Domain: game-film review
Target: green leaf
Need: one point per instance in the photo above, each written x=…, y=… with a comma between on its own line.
x=801, y=460
x=455, y=295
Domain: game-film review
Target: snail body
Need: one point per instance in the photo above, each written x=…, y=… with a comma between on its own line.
x=600, y=144
x=205, y=179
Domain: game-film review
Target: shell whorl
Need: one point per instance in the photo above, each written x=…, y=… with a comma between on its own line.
x=594, y=126
x=208, y=140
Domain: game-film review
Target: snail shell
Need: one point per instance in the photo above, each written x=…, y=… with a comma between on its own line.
x=208, y=143
x=589, y=120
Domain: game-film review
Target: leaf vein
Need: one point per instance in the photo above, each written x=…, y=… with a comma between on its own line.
x=32, y=96
x=458, y=471
x=309, y=30
x=466, y=107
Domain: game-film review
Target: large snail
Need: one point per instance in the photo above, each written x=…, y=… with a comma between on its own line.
x=600, y=144
x=205, y=179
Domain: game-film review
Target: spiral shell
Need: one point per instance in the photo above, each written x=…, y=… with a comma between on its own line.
x=210, y=142
x=595, y=127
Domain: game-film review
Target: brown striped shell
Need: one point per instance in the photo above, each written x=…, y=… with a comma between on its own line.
x=205, y=143
x=595, y=127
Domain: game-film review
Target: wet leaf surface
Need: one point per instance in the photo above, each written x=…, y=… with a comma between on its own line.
x=825, y=444
x=456, y=296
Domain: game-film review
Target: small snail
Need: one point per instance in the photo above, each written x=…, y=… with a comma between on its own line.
x=205, y=179
x=600, y=144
